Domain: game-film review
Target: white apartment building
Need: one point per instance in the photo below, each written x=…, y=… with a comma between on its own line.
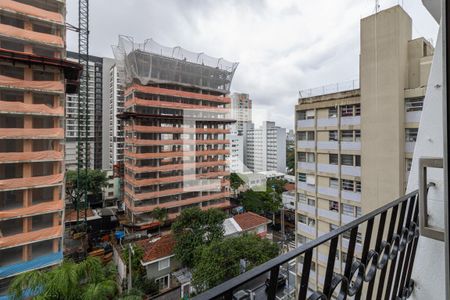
x=116, y=130
x=265, y=147
x=241, y=111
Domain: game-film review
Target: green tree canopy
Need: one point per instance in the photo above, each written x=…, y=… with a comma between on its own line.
x=194, y=228
x=95, y=180
x=86, y=280
x=261, y=202
x=220, y=260
x=235, y=181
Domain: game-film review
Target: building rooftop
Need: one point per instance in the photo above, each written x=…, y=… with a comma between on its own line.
x=250, y=220
x=157, y=248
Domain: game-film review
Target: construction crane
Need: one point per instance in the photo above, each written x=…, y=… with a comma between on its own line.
x=83, y=107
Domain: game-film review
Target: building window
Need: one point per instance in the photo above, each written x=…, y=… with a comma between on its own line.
x=333, y=159
x=302, y=198
x=306, y=136
x=408, y=164
x=347, y=160
x=333, y=135
x=348, y=210
x=358, y=160
x=347, y=110
x=334, y=183
x=414, y=104
x=163, y=282
x=334, y=206
x=332, y=112
x=358, y=212
x=306, y=157
x=357, y=109
x=311, y=202
x=302, y=177
x=347, y=135
x=411, y=134
x=348, y=185
x=311, y=179
x=163, y=264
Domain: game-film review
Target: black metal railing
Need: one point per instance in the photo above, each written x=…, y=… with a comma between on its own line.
x=381, y=271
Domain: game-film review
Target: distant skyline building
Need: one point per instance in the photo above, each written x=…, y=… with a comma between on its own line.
x=95, y=112
x=355, y=145
x=241, y=111
x=265, y=147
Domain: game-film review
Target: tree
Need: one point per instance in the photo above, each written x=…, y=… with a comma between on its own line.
x=194, y=228
x=85, y=280
x=235, y=182
x=160, y=214
x=290, y=157
x=261, y=202
x=221, y=260
x=94, y=180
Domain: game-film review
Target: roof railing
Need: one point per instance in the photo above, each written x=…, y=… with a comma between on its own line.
x=330, y=89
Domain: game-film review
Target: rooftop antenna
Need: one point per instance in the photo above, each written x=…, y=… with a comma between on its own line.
x=377, y=6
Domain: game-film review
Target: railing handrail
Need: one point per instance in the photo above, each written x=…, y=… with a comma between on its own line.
x=342, y=86
x=237, y=281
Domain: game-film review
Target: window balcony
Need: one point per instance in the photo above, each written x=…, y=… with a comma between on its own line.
x=311, y=230
x=306, y=144
x=350, y=170
x=351, y=196
x=400, y=229
x=328, y=191
x=327, y=168
x=352, y=146
x=327, y=122
x=307, y=166
x=355, y=120
x=306, y=187
x=327, y=145
x=307, y=208
x=305, y=123
x=328, y=214
x=413, y=116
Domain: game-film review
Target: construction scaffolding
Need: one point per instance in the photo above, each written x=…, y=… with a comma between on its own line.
x=150, y=62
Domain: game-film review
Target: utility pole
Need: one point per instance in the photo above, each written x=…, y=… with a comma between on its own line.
x=130, y=252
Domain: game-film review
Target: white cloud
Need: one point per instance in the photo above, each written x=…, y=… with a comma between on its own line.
x=282, y=46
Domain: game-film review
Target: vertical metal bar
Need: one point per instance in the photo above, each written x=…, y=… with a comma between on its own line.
x=408, y=257
x=414, y=248
x=394, y=261
x=366, y=247
x=401, y=260
x=350, y=252
x=446, y=117
x=381, y=223
x=330, y=266
x=228, y=295
x=273, y=281
x=305, y=275
x=389, y=240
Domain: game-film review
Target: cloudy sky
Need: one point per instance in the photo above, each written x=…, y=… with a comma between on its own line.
x=282, y=46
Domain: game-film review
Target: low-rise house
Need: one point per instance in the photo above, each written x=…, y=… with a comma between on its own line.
x=248, y=222
x=288, y=199
x=159, y=260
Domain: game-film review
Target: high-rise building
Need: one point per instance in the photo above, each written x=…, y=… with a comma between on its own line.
x=265, y=147
x=355, y=145
x=95, y=113
x=241, y=111
x=34, y=77
x=175, y=124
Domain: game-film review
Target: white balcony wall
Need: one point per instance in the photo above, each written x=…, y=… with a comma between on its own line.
x=409, y=147
x=305, y=123
x=413, y=117
x=306, y=144
x=307, y=166
x=347, y=219
x=332, y=215
x=354, y=146
x=306, y=187
x=356, y=120
x=308, y=229
x=350, y=170
x=328, y=191
x=352, y=196
x=327, y=122
x=307, y=208
x=327, y=168
x=327, y=145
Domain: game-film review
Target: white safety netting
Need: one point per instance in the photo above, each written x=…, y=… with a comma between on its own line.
x=150, y=62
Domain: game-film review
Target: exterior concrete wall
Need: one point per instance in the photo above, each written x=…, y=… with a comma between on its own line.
x=384, y=75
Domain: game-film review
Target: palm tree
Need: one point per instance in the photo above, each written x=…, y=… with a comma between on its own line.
x=87, y=280
x=161, y=215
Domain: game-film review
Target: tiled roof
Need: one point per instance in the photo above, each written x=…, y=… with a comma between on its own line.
x=159, y=248
x=289, y=186
x=250, y=220
x=71, y=215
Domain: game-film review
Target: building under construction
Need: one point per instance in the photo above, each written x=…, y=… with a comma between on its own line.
x=34, y=77
x=175, y=121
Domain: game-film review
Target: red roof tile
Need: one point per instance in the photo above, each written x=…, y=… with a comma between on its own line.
x=289, y=186
x=160, y=248
x=250, y=220
x=71, y=215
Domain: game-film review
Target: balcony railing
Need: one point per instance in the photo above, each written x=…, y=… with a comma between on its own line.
x=390, y=237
